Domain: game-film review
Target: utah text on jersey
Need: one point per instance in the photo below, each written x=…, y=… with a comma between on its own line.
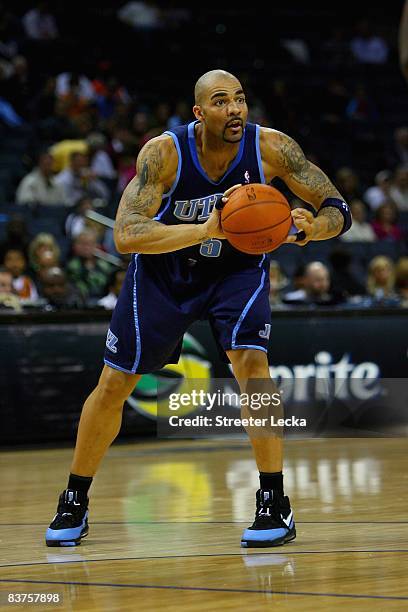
x=197, y=209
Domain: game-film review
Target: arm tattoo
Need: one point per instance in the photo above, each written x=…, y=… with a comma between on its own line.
x=141, y=195
x=335, y=220
x=302, y=172
x=143, y=177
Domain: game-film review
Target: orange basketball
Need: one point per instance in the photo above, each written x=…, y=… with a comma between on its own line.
x=256, y=219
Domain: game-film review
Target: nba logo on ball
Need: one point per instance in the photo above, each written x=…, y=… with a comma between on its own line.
x=256, y=218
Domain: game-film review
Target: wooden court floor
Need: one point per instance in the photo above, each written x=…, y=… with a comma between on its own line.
x=166, y=520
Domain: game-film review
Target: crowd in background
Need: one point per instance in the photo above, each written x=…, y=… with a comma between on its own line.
x=73, y=121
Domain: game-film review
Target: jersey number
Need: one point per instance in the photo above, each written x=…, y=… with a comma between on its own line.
x=211, y=247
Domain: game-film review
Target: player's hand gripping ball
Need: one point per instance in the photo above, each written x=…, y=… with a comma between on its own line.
x=256, y=218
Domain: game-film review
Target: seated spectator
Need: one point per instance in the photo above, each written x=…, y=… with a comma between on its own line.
x=17, y=235
x=101, y=163
x=87, y=272
x=380, y=192
x=143, y=16
x=399, y=153
x=399, y=189
x=367, y=47
x=381, y=277
x=78, y=181
x=110, y=95
x=316, y=288
x=277, y=282
x=76, y=221
x=76, y=91
x=43, y=251
x=16, y=263
x=361, y=107
x=58, y=292
x=336, y=50
x=17, y=89
x=39, y=186
x=343, y=278
x=63, y=150
x=385, y=224
x=113, y=289
x=39, y=23
x=361, y=230
x=401, y=280
x=181, y=115
x=8, y=298
x=348, y=184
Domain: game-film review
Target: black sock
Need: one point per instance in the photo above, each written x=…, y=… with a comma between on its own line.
x=79, y=483
x=271, y=480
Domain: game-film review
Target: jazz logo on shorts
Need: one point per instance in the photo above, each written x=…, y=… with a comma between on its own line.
x=111, y=340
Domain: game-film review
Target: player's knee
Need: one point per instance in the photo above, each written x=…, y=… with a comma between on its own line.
x=251, y=364
x=114, y=387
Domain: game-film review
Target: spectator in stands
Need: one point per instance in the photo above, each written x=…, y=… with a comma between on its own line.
x=401, y=280
x=15, y=262
x=316, y=288
x=40, y=187
x=367, y=47
x=59, y=293
x=126, y=169
x=17, y=88
x=181, y=115
x=361, y=230
x=75, y=223
x=39, y=23
x=336, y=50
x=42, y=105
x=78, y=181
x=399, y=189
x=399, y=154
x=101, y=163
x=87, y=272
x=335, y=100
x=277, y=282
x=142, y=16
x=381, y=278
x=17, y=235
x=361, y=107
x=380, y=192
x=348, y=183
x=43, y=251
x=114, y=286
x=109, y=96
x=76, y=90
x=8, y=298
x=385, y=225
x=62, y=151
x=342, y=278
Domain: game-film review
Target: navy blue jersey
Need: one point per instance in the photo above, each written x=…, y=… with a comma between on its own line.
x=193, y=195
x=164, y=294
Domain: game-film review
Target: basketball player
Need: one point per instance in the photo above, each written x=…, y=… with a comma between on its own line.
x=183, y=270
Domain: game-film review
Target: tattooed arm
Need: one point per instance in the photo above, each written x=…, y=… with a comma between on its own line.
x=286, y=159
x=135, y=230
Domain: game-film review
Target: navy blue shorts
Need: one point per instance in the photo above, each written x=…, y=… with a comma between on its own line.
x=161, y=298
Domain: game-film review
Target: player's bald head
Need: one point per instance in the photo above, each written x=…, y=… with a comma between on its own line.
x=213, y=78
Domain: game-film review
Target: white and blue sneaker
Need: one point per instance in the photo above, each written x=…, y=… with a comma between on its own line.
x=70, y=524
x=273, y=525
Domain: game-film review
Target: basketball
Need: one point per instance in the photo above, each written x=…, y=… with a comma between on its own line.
x=256, y=219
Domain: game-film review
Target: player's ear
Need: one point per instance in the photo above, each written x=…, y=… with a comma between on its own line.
x=198, y=112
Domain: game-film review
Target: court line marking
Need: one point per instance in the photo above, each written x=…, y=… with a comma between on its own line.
x=192, y=522
x=197, y=555
x=209, y=589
